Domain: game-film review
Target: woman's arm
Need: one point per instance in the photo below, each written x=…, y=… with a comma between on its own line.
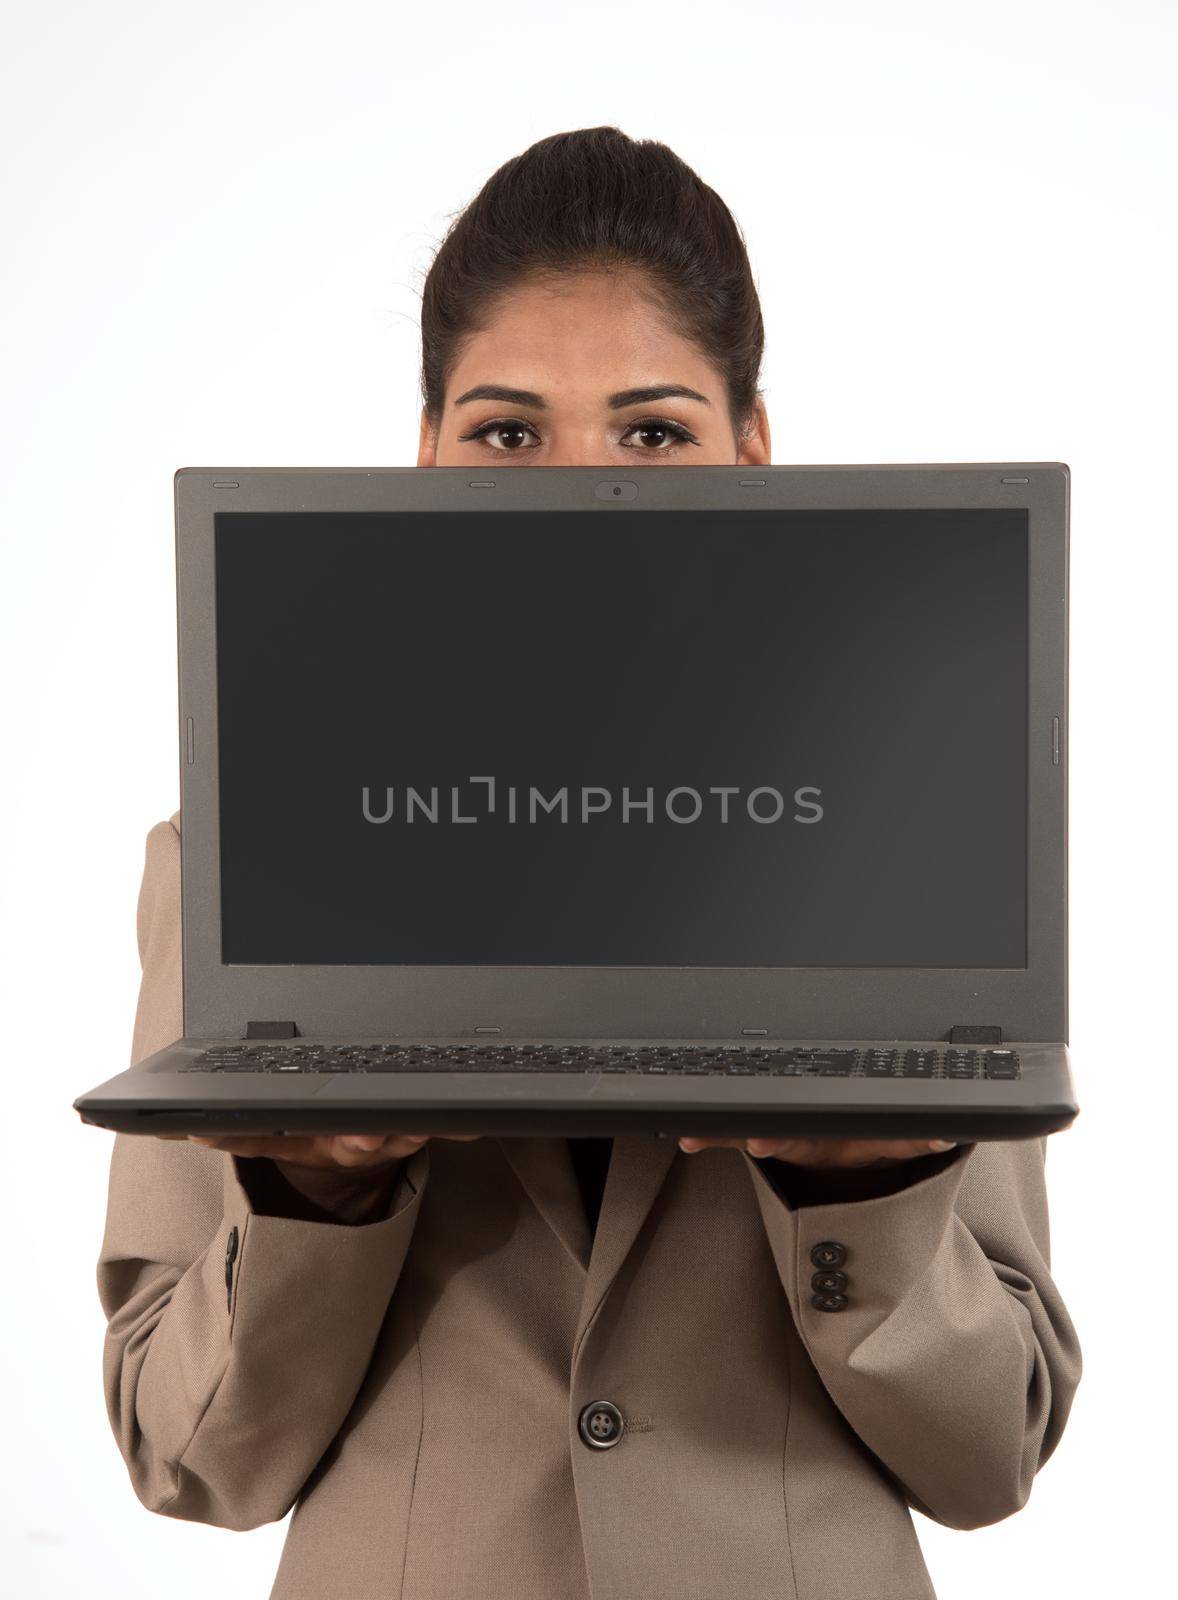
x=954, y=1358
x=216, y=1309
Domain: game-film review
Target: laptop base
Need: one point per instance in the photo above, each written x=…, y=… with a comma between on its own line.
x=772, y=1089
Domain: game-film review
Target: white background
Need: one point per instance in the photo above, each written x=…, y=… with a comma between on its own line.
x=217, y=219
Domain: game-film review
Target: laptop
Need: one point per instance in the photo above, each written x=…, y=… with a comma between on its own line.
x=715, y=801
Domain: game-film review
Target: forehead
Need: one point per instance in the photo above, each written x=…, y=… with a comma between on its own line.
x=598, y=330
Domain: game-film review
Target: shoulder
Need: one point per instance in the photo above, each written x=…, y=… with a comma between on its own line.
x=161, y=848
x=160, y=885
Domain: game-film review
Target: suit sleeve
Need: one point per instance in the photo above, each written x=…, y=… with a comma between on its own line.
x=215, y=1312
x=954, y=1359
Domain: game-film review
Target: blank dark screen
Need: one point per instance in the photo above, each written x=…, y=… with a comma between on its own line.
x=782, y=738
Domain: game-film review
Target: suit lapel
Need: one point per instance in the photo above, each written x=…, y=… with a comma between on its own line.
x=637, y=1169
x=545, y=1170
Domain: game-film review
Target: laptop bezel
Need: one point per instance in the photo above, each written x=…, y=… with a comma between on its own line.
x=456, y=1002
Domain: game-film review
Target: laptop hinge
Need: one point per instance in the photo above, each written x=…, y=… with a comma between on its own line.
x=271, y=1030
x=975, y=1033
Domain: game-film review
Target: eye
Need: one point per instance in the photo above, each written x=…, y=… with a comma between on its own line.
x=677, y=433
x=499, y=425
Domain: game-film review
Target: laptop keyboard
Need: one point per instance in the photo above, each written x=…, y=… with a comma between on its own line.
x=712, y=1061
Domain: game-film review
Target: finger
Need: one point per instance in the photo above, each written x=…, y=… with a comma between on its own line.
x=690, y=1144
x=827, y=1151
x=880, y=1150
x=782, y=1149
x=236, y=1144
x=811, y=1152
x=370, y=1150
x=850, y=1152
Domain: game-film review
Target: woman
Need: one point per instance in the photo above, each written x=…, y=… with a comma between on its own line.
x=465, y=1383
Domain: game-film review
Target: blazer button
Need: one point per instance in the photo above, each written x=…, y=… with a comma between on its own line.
x=601, y=1424
x=828, y=1302
x=828, y=1254
x=829, y=1282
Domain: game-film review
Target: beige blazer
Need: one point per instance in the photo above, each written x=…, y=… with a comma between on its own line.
x=413, y=1385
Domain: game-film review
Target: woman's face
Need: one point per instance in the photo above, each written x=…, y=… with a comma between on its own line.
x=553, y=381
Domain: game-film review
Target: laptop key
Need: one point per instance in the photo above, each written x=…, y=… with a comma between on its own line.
x=1002, y=1064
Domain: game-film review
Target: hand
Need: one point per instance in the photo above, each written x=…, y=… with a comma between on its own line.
x=822, y=1153
x=332, y=1150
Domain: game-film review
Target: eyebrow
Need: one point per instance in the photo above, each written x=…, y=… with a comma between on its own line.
x=616, y=402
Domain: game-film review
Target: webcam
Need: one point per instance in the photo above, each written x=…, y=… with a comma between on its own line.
x=616, y=491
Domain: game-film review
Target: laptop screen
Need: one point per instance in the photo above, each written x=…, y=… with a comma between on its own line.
x=759, y=738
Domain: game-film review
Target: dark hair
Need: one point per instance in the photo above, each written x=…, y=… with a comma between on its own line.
x=595, y=199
